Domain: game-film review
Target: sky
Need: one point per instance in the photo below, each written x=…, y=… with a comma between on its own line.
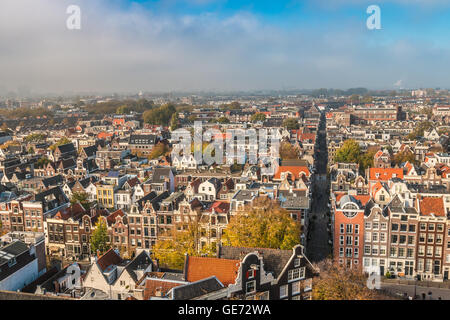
x=222, y=45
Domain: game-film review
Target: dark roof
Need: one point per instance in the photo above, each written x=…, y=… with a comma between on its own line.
x=274, y=259
x=142, y=261
x=66, y=148
x=52, y=181
x=90, y=151
x=196, y=289
x=160, y=174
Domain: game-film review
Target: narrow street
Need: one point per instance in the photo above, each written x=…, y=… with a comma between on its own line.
x=318, y=246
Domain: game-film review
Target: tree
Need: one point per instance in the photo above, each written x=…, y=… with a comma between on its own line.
x=291, y=124
x=263, y=225
x=82, y=198
x=258, y=117
x=420, y=130
x=60, y=142
x=123, y=109
x=366, y=160
x=336, y=282
x=99, y=239
x=288, y=151
x=174, y=124
x=183, y=239
x=367, y=99
x=223, y=120
x=159, y=116
x=192, y=118
x=159, y=150
x=350, y=152
x=42, y=162
x=404, y=156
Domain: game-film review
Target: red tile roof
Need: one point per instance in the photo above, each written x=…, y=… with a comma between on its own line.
x=294, y=170
x=430, y=205
x=154, y=285
x=385, y=174
x=225, y=270
x=109, y=258
x=220, y=207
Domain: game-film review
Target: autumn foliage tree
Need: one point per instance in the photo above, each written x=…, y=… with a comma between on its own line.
x=337, y=282
x=404, y=156
x=99, y=239
x=288, y=151
x=183, y=239
x=263, y=225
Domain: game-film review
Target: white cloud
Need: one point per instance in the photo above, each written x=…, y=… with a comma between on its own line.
x=137, y=49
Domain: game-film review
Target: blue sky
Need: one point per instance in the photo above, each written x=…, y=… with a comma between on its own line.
x=164, y=45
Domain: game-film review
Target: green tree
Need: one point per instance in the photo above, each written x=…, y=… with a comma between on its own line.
x=60, y=142
x=291, y=124
x=404, y=156
x=99, y=239
x=420, y=130
x=263, y=225
x=174, y=123
x=223, y=120
x=160, y=116
x=350, y=152
x=258, y=117
x=42, y=162
x=82, y=198
x=159, y=150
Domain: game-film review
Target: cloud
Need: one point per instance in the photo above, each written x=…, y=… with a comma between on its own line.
x=124, y=47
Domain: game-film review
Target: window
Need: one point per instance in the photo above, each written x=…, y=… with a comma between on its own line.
x=412, y=228
x=375, y=236
x=349, y=228
x=394, y=238
x=366, y=249
x=357, y=228
x=283, y=291
x=342, y=228
x=394, y=227
x=402, y=239
x=296, y=287
x=403, y=227
x=367, y=225
x=440, y=227
x=423, y=226
x=251, y=274
x=431, y=227
x=383, y=237
x=297, y=262
x=429, y=251
x=349, y=240
x=296, y=274
x=341, y=252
